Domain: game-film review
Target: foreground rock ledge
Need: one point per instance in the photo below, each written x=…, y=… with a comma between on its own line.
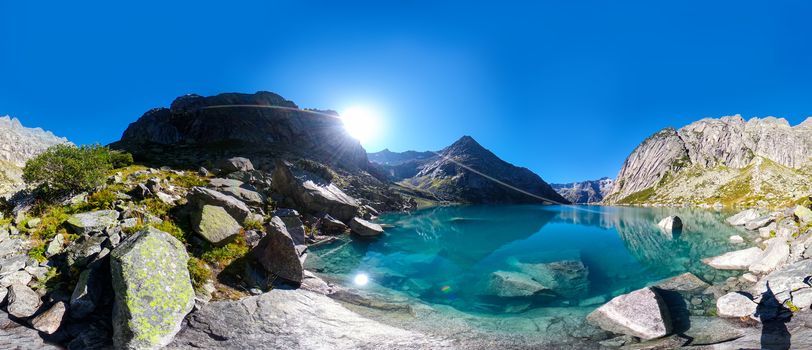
x=153, y=290
x=641, y=313
x=292, y=319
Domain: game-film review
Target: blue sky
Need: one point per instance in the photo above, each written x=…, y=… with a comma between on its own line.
x=565, y=88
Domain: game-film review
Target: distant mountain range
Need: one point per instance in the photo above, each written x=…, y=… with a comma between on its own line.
x=720, y=162
x=465, y=172
x=17, y=145
x=585, y=192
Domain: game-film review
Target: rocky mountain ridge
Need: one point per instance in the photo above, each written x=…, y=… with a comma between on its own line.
x=17, y=145
x=467, y=172
x=590, y=191
x=725, y=161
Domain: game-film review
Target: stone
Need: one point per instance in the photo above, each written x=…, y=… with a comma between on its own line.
x=221, y=182
x=512, y=284
x=735, y=305
x=265, y=322
x=759, y=222
x=670, y=224
x=12, y=264
x=803, y=214
x=14, y=335
x=234, y=164
x=245, y=195
x=776, y=254
x=365, y=228
x=32, y=223
x=140, y=191
x=49, y=321
x=214, y=224
x=19, y=277
x=203, y=172
x=685, y=282
x=94, y=221
x=735, y=260
x=278, y=254
x=736, y=239
x=166, y=198
x=331, y=225
x=10, y=246
x=313, y=193
x=706, y=330
x=90, y=289
x=641, y=313
x=767, y=231
x=567, y=278
x=802, y=298
x=55, y=246
x=3, y=294
x=153, y=290
x=22, y=301
x=785, y=280
x=83, y=250
x=743, y=217
x=202, y=196
x=749, y=277
x=293, y=224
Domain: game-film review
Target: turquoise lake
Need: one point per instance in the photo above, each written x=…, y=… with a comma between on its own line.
x=553, y=256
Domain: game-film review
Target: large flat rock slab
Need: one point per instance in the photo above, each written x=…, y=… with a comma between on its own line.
x=292, y=319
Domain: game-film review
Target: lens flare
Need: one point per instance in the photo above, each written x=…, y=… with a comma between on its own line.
x=361, y=279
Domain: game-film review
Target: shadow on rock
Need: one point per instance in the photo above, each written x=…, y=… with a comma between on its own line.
x=774, y=317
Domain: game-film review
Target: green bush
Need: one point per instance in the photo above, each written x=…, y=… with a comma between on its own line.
x=69, y=169
x=121, y=159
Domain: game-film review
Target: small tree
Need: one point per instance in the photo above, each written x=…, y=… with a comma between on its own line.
x=69, y=169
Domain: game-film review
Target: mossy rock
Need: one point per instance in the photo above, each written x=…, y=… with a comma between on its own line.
x=153, y=290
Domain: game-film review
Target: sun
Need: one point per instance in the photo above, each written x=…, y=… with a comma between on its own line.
x=361, y=122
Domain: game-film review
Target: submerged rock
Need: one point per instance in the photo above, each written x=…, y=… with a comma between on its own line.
x=735, y=260
x=641, y=313
x=214, y=224
x=365, y=228
x=512, y=284
x=685, y=282
x=735, y=305
x=153, y=291
x=278, y=254
x=568, y=278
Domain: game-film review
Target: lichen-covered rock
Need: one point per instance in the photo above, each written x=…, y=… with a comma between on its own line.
x=49, y=321
x=735, y=305
x=735, y=260
x=153, y=289
x=278, y=253
x=803, y=214
x=214, y=224
x=641, y=313
x=365, y=228
x=93, y=221
x=22, y=301
x=200, y=196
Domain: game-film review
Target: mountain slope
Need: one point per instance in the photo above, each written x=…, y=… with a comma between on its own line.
x=726, y=161
x=467, y=172
x=590, y=191
x=17, y=145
